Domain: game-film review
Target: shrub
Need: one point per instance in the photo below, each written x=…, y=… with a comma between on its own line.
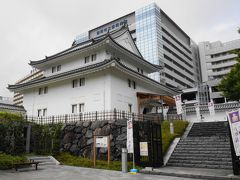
x=167, y=138
x=12, y=133
x=46, y=139
x=7, y=161
x=68, y=159
x=6, y=117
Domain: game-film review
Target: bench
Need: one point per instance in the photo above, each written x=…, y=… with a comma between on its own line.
x=19, y=165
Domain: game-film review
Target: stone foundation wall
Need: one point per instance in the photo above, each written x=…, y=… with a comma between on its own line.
x=77, y=138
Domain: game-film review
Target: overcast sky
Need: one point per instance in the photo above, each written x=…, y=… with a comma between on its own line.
x=31, y=29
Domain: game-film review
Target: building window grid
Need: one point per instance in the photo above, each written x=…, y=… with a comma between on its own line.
x=45, y=90
x=87, y=59
x=82, y=82
x=42, y=112
x=130, y=108
x=42, y=90
x=81, y=107
x=59, y=68
x=94, y=57
x=74, y=83
x=39, y=112
x=54, y=69
x=45, y=112
x=78, y=82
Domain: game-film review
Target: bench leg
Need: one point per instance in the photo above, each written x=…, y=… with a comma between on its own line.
x=36, y=166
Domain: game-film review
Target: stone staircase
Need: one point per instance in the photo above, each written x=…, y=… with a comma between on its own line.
x=206, y=146
x=44, y=160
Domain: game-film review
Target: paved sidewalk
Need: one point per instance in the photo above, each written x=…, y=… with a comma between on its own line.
x=201, y=173
x=76, y=173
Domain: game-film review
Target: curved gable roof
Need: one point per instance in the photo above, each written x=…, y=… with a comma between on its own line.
x=112, y=35
x=87, y=69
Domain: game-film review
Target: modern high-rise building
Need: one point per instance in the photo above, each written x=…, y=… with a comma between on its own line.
x=217, y=59
x=161, y=41
x=34, y=74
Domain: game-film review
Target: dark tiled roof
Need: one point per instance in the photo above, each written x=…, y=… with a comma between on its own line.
x=82, y=69
x=44, y=79
x=90, y=43
x=67, y=51
x=12, y=107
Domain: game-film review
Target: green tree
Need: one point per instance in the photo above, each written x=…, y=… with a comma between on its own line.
x=230, y=84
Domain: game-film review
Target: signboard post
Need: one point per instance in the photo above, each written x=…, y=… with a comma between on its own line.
x=184, y=112
x=130, y=145
x=178, y=101
x=234, y=127
x=101, y=142
x=234, y=122
x=198, y=112
x=211, y=110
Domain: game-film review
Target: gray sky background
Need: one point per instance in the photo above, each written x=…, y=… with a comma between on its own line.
x=31, y=29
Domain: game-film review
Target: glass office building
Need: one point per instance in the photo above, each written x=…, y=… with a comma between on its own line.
x=162, y=42
x=148, y=35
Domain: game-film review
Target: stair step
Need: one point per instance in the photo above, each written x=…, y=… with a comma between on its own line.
x=228, y=155
x=203, y=152
x=203, y=145
x=200, y=162
x=206, y=146
x=192, y=148
x=203, y=158
x=207, y=139
x=200, y=165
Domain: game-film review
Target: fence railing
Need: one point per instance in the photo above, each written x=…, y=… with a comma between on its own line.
x=204, y=108
x=93, y=116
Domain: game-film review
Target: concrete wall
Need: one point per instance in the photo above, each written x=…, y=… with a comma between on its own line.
x=219, y=116
x=61, y=96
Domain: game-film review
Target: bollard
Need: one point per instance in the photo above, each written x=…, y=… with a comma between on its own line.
x=28, y=139
x=171, y=128
x=124, y=160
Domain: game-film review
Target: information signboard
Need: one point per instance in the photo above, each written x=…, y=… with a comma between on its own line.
x=143, y=149
x=101, y=141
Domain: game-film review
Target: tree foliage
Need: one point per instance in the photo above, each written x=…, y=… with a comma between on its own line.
x=230, y=84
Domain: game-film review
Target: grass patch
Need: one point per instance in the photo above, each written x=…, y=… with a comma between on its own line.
x=167, y=138
x=70, y=160
x=7, y=161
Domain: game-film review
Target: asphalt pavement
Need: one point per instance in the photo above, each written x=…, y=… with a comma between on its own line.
x=77, y=173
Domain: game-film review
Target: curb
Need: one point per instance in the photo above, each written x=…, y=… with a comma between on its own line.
x=194, y=176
